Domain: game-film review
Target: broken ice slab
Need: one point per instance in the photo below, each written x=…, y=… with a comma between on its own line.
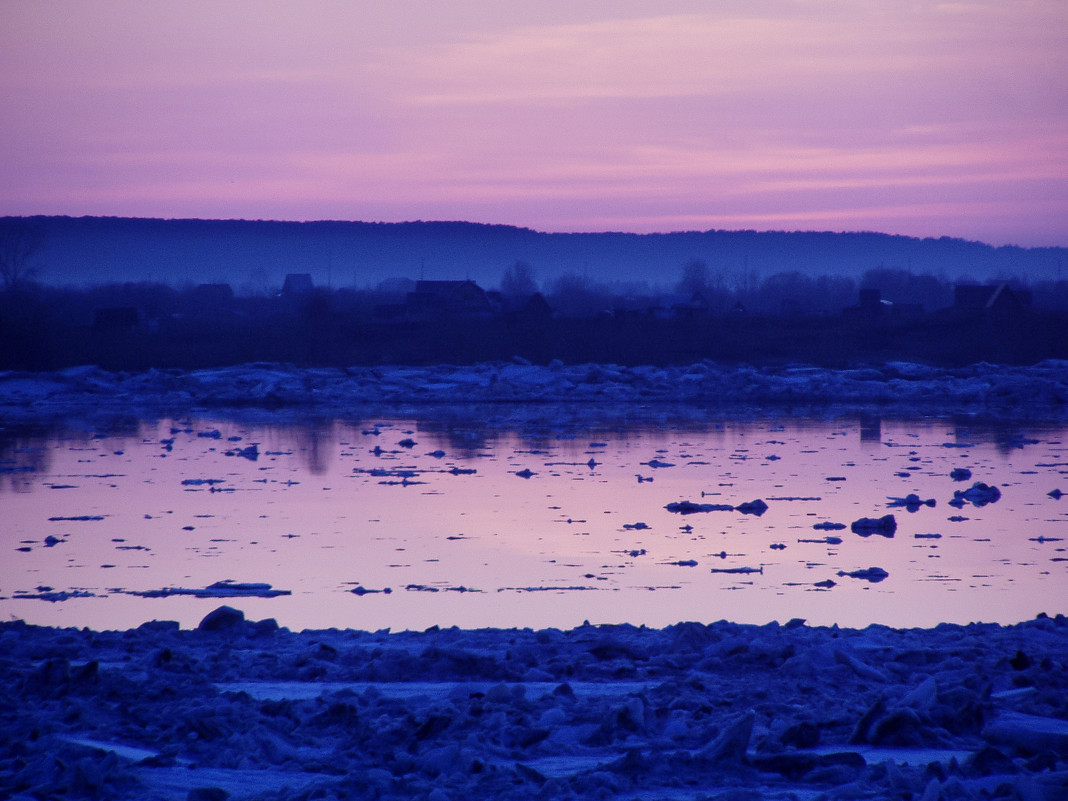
x=1029, y=732
x=131, y=752
x=874, y=755
x=305, y=690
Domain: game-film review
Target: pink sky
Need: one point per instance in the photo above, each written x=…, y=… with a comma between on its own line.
x=919, y=118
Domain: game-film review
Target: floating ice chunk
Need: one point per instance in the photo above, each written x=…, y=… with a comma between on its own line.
x=220, y=589
x=53, y=596
x=912, y=502
x=251, y=452
x=689, y=507
x=361, y=590
x=655, y=463
x=979, y=494
x=872, y=574
x=884, y=526
x=757, y=507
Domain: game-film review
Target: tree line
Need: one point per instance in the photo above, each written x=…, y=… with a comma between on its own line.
x=785, y=316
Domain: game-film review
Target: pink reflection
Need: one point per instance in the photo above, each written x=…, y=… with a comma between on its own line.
x=438, y=512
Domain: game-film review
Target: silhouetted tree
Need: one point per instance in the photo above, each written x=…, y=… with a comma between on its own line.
x=518, y=281
x=257, y=285
x=574, y=295
x=694, y=277
x=19, y=244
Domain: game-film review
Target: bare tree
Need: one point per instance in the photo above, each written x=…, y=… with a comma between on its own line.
x=19, y=243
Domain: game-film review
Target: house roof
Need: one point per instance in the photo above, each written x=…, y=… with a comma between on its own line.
x=462, y=297
x=442, y=288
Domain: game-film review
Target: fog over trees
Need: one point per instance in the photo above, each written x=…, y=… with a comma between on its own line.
x=696, y=307
x=249, y=253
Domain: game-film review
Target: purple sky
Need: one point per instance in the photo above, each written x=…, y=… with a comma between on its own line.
x=911, y=117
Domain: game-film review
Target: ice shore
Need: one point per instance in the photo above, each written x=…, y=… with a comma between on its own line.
x=897, y=386
x=691, y=711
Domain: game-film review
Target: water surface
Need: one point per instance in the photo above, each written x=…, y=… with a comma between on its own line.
x=443, y=521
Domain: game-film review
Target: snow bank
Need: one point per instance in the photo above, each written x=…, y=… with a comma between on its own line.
x=686, y=712
x=1041, y=388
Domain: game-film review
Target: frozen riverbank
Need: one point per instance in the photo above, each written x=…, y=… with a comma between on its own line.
x=689, y=711
x=896, y=387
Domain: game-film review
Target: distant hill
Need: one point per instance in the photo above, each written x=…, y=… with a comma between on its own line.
x=258, y=254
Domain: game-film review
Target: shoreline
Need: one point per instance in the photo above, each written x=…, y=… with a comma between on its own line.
x=689, y=711
x=895, y=388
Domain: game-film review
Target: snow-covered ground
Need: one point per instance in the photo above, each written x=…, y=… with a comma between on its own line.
x=901, y=387
x=686, y=712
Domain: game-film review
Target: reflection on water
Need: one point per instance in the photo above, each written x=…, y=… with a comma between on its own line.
x=523, y=521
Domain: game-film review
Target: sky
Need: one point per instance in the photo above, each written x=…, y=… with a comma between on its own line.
x=908, y=117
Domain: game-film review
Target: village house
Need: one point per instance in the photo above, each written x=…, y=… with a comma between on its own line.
x=990, y=298
x=535, y=309
x=434, y=300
